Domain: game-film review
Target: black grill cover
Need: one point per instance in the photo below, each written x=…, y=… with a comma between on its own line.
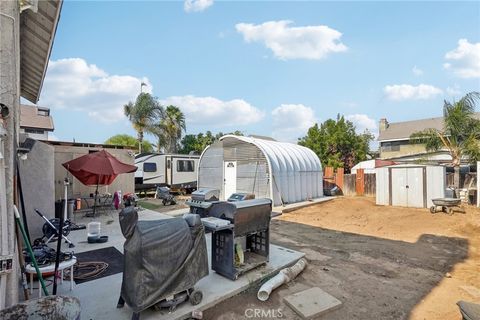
x=161, y=257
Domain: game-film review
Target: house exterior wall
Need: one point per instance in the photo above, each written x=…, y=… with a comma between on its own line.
x=36, y=136
x=64, y=153
x=37, y=176
x=10, y=96
x=405, y=149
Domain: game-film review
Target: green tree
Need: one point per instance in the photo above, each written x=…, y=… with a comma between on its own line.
x=460, y=135
x=129, y=141
x=143, y=114
x=170, y=128
x=337, y=144
x=197, y=143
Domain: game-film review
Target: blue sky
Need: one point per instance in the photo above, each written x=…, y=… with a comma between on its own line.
x=269, y=68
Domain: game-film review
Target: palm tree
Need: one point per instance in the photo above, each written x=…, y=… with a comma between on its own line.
x=460, y=135
x=143, y=114
x=169, y=130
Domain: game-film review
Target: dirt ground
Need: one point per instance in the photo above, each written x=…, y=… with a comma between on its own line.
x=381, y=262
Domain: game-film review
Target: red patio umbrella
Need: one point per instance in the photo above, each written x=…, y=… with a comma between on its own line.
x=98, y=168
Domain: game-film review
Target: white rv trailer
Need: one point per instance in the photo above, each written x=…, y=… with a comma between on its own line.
x=177, y=171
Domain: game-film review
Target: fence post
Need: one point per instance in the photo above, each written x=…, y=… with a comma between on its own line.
x=339, y=178
x=328, y=177
x=360, y=182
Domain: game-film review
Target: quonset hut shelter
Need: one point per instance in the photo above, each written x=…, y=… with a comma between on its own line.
x=283, y=172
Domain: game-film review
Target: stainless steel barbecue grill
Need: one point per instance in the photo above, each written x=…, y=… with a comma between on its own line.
x=201, y=201
x=241, y=244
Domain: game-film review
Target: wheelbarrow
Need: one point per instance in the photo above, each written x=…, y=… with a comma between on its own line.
x=446, y=205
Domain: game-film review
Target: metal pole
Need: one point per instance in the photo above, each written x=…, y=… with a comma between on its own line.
x=59, y=248
x=22, y=202
x=65, y=210
x=96, y=194
x=30, y=251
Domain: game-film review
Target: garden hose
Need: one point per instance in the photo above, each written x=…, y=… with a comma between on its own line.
x=86, y=270
x=29, y=250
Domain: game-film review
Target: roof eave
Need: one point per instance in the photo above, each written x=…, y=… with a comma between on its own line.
x=31, y=91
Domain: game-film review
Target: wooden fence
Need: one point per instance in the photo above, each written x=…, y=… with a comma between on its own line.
x=359, y=184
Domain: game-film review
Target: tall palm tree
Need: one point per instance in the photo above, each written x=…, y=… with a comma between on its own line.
x=143, y=114
x=460, y=135
x=169, y=130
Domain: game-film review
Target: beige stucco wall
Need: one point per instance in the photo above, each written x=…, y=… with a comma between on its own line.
x=37, y=173
x=405, y=150
x=124, y=182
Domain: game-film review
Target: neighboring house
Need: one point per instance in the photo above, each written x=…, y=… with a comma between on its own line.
x=395, y=144
x=35, y=121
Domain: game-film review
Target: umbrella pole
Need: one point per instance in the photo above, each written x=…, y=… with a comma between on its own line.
x=95, y=200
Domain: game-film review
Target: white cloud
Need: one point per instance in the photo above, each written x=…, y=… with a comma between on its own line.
x=417, y=71
x=362, y=122
x=464, y=60
x=292, y=121
x=400, y=92
x=196, y=5
x=287, y=42
x=213, y=111
x=454, y=91
x=76, y=85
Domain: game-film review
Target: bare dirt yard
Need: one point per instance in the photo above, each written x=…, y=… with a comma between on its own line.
x=381, y=262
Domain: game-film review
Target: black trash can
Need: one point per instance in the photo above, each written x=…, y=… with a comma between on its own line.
x=59, y=207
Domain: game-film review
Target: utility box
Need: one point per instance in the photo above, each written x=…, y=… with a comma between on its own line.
x=410, y=185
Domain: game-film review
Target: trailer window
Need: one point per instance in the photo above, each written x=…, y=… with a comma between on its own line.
x=185, y=166
x=149, y=167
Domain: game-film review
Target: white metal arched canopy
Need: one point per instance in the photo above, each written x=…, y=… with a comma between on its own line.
x=296, y=171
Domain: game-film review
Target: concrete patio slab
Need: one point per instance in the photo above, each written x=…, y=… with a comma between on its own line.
x=99, y=297
x=298, y=205
x=312, y=303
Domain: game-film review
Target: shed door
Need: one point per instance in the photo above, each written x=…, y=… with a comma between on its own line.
x=407, y=187
x=415, y=187
x=229, y=178
x=399, y=190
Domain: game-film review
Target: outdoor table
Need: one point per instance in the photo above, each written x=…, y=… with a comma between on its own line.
x=51, y=268
x=104, y=201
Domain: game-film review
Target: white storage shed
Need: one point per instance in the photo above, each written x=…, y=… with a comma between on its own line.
x=410, y=185
x=283, y=172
